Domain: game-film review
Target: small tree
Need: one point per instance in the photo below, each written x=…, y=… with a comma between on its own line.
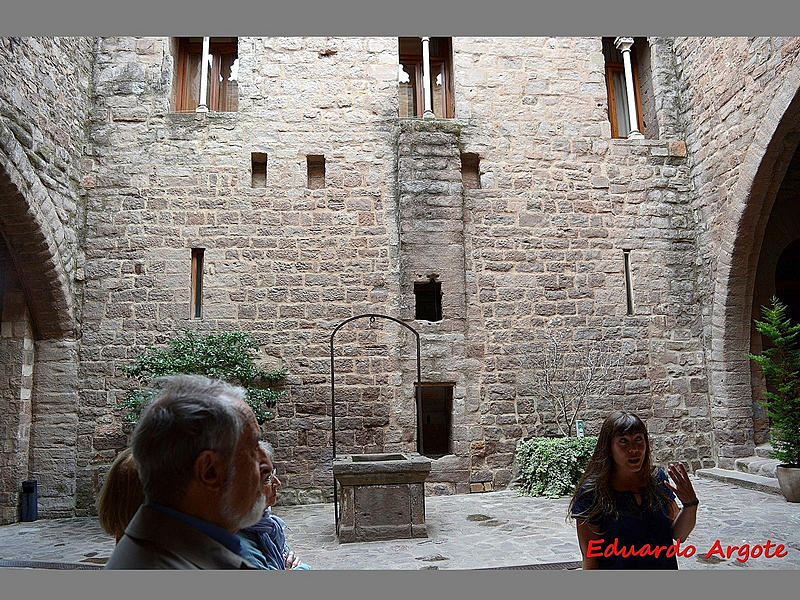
x=226, y=356
x=780, y=363
x=568, y=377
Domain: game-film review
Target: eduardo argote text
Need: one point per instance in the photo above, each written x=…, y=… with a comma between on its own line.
x=743, y=552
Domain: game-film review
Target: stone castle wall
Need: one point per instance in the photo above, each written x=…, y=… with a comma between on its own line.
x=44, y=103
x=536, y=250
x=735, y=92
x=543, y=242
x=285, y=262
x=44, y=100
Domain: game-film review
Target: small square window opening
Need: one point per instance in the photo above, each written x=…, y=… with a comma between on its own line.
x=315, y=164
x=258, y=162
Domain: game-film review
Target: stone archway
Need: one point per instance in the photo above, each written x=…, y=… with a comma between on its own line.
x=38, y=340
x=32, y=230
x=760, y=177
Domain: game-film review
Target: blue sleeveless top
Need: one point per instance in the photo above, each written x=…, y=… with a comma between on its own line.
x=635, y=526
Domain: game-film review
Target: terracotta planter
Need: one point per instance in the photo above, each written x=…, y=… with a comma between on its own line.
x=789, y=480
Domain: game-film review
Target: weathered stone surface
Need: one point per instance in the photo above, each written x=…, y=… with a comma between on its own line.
x=382, y=496
x=104, y=192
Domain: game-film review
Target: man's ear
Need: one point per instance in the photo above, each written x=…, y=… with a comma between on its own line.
x=209, y=470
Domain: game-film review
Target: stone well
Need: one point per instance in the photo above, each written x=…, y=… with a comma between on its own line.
x=381, y=496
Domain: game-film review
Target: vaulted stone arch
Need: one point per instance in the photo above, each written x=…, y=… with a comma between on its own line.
x=760, y=176
x=38, y=345
x=30, y=225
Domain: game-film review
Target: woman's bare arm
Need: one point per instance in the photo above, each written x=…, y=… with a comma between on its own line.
x=587, y=533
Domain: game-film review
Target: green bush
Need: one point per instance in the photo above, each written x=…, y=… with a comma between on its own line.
x=552, y=466
x=226, y=356
x=780, y=362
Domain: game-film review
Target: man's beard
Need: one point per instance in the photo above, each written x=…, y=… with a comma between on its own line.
x=256, y=512
x=252, y=516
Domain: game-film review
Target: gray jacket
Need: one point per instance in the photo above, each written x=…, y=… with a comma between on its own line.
x=154, y=540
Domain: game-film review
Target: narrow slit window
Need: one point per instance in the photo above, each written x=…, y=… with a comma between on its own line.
x=470, y=171
x=316, y=171
x=197, y=282
x=258, y=161
x=435, y=413
x=428, y=300
x=626, y=254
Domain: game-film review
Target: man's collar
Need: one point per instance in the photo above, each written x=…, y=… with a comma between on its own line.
x=224, y=537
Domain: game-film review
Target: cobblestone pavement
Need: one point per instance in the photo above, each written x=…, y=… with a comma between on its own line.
x=497, y=529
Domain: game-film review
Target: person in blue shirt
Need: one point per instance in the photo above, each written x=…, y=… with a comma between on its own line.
x=625, y=509
x=264, y=544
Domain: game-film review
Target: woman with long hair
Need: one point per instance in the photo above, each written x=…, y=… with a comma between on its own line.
x=625, y=509
x=121, y=495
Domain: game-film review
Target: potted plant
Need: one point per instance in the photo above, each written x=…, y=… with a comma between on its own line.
x=780, y=362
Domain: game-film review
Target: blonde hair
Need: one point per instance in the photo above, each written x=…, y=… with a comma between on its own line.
x=121, y=495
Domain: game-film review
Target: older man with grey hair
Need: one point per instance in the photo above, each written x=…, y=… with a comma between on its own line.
x=202, y=469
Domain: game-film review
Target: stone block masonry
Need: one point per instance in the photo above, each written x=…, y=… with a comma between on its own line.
x=44, y=103
x=105, y=193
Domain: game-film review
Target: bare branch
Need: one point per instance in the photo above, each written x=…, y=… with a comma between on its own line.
x=571, y=375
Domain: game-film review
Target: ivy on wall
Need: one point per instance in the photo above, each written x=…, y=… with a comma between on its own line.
x=227, y=356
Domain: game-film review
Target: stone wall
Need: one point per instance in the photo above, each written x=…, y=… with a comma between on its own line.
x=739, y=97
x=539, y=245
x=536, y=250
x=44, y=102
x=430, y=204
x=559, y=203
x=285, y=262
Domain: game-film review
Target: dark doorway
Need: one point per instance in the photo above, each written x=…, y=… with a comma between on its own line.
x=787, y=279
x=436, y=414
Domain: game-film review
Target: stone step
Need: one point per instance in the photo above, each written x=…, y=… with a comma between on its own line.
x=763, y=450
x=745, y=480
x=757, y=465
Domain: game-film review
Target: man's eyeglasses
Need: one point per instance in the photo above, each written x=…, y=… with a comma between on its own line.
x=272, y=478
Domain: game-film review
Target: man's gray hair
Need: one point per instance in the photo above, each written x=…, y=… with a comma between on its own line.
x=268, y=450
x=190, y=414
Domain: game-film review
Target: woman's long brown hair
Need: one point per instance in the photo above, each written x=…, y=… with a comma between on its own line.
x=120, y=496
x=597, y=478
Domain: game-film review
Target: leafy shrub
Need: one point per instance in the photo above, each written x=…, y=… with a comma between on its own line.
x=226, y=356
x=552, y=466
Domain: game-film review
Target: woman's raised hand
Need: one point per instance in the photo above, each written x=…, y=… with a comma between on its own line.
x=682, y=488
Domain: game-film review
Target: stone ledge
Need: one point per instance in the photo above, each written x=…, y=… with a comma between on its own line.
x=366, y=469
x=756, y=465
x=745, y=480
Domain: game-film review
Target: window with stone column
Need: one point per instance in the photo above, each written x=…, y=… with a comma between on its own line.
x=411, y=77
x=221, y=90
x=620, y=104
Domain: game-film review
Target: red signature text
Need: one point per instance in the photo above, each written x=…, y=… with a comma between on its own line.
x=743, y=552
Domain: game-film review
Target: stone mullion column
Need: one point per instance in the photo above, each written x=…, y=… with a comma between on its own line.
x=202, y=104
x=624, y=44
x=426, y=78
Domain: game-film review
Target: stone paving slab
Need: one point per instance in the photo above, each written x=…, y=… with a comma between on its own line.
x=467, y=531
